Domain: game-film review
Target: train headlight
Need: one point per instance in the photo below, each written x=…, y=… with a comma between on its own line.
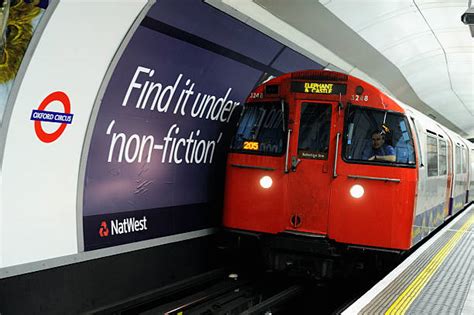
x=266, y=182
x=357, y=191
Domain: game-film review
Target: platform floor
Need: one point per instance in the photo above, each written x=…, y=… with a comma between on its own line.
x=436, y=279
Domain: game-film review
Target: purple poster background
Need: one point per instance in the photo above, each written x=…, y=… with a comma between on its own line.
x=156, y=159
x=169, y=58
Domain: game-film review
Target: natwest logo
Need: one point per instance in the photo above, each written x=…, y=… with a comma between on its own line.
x=128, y=225
x=103, y=230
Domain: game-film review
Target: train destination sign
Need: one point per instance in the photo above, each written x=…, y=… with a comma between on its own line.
x=317, y=87
x=313, y=155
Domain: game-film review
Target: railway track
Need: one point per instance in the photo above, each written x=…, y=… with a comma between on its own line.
x=216, y=292
x=250, y=291
x=238, y=299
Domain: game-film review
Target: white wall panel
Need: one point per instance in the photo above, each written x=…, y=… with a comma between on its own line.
x=39, y=180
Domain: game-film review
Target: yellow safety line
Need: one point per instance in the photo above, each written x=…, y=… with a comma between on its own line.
x=403, y=302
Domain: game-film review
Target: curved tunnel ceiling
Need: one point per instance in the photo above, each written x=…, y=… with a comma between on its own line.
x=416, y=50
x=426, y=40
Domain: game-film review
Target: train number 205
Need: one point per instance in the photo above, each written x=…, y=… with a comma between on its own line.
x=251, y=145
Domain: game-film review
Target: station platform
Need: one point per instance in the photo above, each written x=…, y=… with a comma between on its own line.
x=436, y=279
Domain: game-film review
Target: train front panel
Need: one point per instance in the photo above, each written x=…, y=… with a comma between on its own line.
x=304, y=161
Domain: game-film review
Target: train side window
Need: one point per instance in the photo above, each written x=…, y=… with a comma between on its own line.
x=404, y=145
x=457, y=160
x=471, y=175
x=464, y=161
x=315, y=125
x=443, y=154
x=432, y=148
x=378, y=137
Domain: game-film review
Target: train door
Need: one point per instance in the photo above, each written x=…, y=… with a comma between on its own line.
x=450, y=171
x=311, y=153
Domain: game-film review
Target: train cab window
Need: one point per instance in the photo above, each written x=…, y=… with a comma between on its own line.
x=443, y=155
x=315, y=124
x=261, y=129
x=432, y=148
x=379, y=137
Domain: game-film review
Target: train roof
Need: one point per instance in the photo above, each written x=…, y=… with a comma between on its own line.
x=388, y=101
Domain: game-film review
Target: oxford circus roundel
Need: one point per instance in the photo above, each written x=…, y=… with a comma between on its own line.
x=41, y=115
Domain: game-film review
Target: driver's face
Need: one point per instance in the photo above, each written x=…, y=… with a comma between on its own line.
x=377, y=141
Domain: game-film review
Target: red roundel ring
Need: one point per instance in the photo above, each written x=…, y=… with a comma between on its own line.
x=55, y=96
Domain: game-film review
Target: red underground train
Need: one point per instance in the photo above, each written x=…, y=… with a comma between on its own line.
x=324, y=164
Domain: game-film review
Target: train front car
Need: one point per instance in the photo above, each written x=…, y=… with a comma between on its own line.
x=322, y=158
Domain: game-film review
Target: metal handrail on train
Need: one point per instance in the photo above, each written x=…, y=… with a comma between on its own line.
x=335, y=156
x=253, y=167
x=384, y=179
x=287, y=150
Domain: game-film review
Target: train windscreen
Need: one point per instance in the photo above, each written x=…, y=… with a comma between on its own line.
x=261, y=129
x=377, y=136
x=315, y=126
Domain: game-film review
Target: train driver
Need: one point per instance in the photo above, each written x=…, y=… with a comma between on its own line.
x=379, y=151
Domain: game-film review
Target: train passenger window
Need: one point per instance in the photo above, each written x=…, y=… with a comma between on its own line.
x=443, y=154
x=457, y=159
x=261, y=129
x=464, y=161
x=315, y=124
x=432, y=148
x=376, y=136
x=470, y=164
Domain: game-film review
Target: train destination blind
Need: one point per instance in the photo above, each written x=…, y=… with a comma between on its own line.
x=318, y=87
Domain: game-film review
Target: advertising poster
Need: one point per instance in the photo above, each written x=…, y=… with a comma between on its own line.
x=157, y=155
